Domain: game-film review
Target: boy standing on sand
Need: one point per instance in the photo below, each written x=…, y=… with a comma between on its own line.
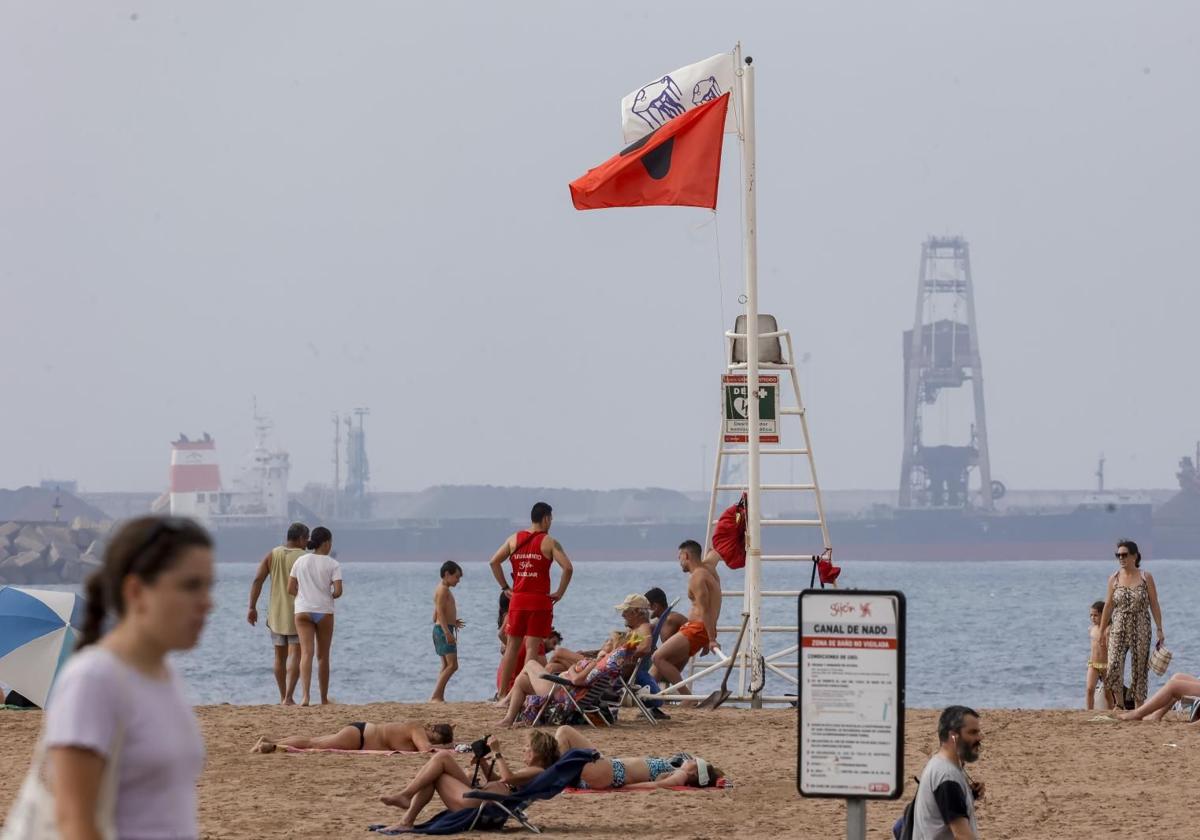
x=445, y=627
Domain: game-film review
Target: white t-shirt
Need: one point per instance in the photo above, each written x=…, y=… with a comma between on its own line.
x=315, y=574
x=161, y=753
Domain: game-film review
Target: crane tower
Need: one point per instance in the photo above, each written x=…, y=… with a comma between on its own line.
x=941, y=357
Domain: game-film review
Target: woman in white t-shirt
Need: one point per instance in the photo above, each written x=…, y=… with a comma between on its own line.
x=315, y=581
x=119, y=699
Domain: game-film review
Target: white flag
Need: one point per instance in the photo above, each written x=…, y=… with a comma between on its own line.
x=665, y=98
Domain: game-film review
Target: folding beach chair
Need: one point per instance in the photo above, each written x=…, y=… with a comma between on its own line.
x=495, y=809
x=628, y=687
x=600, y=701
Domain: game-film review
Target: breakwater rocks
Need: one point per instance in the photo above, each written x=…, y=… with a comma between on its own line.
x=50, y=552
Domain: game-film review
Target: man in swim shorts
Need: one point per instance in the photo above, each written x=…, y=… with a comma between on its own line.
x=531, y=604
x=700, y=631
x=281, y=621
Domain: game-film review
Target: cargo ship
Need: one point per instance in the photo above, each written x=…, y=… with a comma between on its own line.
x=1177, y=521
x=251, y=515
x=948, y=506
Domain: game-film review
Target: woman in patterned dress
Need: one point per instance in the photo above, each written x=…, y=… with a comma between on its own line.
x=1132, y=599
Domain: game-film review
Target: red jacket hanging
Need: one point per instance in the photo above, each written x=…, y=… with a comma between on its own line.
x=729, y=537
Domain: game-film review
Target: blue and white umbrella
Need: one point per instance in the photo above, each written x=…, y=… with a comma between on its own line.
x=38, y=629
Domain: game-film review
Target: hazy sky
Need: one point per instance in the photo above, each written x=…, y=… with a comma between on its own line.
x=328, y=205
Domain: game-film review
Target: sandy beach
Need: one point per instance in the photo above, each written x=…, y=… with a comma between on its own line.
x=1049, y=774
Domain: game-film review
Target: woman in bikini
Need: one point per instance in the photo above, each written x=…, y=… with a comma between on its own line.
x=392, y=737
x=315, y=581
x=445, y=777
x=636, y=773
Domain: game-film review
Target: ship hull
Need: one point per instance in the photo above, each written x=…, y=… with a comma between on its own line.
x=903, y=536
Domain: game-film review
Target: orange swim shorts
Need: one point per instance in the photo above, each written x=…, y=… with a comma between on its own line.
x=696, y=635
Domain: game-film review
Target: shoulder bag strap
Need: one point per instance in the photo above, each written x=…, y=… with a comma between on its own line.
x=110, y=782
x=525, y=542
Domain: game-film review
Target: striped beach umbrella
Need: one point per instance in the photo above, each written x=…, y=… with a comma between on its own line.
x=38, y=629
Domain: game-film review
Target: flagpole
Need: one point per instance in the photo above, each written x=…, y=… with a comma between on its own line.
x=752, y=598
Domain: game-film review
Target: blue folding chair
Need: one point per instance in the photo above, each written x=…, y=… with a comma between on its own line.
x=495, y=809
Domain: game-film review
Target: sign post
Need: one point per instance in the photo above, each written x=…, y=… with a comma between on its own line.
x=736, y=411
x=851, y=709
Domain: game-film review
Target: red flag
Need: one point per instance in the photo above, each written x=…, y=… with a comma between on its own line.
x=678, y=163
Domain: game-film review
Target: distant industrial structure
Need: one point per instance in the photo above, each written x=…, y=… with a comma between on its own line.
x=351, y=499
x=941, y=355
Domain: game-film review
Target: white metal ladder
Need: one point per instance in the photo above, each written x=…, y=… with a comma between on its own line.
x=754, y=660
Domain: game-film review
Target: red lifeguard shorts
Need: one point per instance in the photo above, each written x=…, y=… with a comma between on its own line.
x=535, y=623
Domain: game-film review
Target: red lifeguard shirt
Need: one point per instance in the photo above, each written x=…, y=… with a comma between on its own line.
x=530, y=573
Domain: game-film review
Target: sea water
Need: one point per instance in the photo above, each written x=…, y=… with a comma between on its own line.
x=1010, y=635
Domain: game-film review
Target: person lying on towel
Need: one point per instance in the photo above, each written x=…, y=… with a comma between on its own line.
x=443, y=775
x=406, y=736
x=636, y=773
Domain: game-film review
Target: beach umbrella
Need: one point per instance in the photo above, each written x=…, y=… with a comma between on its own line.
x=38, y=629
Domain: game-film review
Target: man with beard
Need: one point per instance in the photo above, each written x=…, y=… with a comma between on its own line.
x=945, y=803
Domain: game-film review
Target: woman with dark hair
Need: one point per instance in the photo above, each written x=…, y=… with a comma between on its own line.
x=118, y=706
x=444, y=776
x=406, y=736
x=1132, y=598
x=315, y=581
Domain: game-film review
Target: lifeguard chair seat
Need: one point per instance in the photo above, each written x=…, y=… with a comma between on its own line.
x=770, y=350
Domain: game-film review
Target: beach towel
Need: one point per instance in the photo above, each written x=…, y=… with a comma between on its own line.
x=281, y=748
x=722, y=784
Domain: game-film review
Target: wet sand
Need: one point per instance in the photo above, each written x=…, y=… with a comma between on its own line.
x=1049, y=774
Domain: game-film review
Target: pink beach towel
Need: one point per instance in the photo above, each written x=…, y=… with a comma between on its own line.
x=282, y=748
x=722, y=784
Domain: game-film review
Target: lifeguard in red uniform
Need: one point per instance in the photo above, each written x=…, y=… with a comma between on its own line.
x=531, y=608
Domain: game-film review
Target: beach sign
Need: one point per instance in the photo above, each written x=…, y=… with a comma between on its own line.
x=851, y=706
x=736, y=408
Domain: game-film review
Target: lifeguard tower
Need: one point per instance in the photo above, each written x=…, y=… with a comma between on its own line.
x=792, y=533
